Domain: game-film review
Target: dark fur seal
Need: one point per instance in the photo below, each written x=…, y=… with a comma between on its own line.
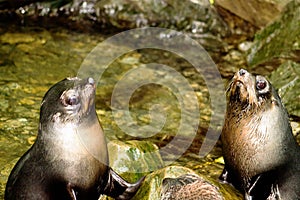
x=69, y=159
x=262, y=158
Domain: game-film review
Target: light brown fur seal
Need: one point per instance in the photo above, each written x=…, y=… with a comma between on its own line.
x=262, y=158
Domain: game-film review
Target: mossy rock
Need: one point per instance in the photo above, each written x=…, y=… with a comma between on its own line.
x=134, y=159
x=277, y=42
x=286, y=79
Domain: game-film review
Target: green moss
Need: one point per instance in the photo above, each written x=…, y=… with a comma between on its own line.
x=279, y=39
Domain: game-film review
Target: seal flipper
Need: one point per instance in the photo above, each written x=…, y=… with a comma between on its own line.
x=225, y=177
x=118, y=188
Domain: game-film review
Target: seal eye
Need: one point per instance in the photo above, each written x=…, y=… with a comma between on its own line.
x=72, y=100
x=261, y=84
x=262, y=87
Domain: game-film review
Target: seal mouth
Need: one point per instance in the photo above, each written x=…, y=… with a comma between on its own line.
x=236, y=92
x=238, y=84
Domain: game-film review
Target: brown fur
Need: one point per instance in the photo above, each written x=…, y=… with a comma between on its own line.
x=257, y=140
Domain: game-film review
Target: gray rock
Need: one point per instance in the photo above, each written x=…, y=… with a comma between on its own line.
x=258, y=12
x=197, y=18
x=277, y=42
x=286, y=80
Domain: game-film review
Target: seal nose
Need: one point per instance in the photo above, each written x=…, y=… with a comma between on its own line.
x=242, y=72
x=91, y=81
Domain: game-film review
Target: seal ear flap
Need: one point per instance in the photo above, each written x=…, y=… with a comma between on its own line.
x=120, y=189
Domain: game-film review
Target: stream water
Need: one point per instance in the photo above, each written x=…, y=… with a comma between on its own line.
x=33, y=59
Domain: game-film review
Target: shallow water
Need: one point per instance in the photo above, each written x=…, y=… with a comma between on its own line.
x=33, y=59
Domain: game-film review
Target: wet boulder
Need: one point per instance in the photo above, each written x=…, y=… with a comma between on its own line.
x=286, y=79
x=133, y=158
x=198, y=18
x=278, y=42
x=257, y=12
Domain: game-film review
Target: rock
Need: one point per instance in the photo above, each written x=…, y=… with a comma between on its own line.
x=258, y=12
x=14, y=4
x=133, y=159
x=286, y=79
x=277, y=42
x=198, y=18
x=195, y=17
x=296, y=128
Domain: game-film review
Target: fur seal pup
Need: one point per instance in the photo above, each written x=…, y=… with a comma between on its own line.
x=69, y=159
x=262, y=158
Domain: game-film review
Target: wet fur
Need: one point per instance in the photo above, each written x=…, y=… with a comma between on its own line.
x=259, y=149
x=69, y=160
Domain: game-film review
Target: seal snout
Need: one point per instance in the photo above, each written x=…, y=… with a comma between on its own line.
x=241, y=76
x=242, y=72
x=238, y=82
x=91, y=81
x=242, y=87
